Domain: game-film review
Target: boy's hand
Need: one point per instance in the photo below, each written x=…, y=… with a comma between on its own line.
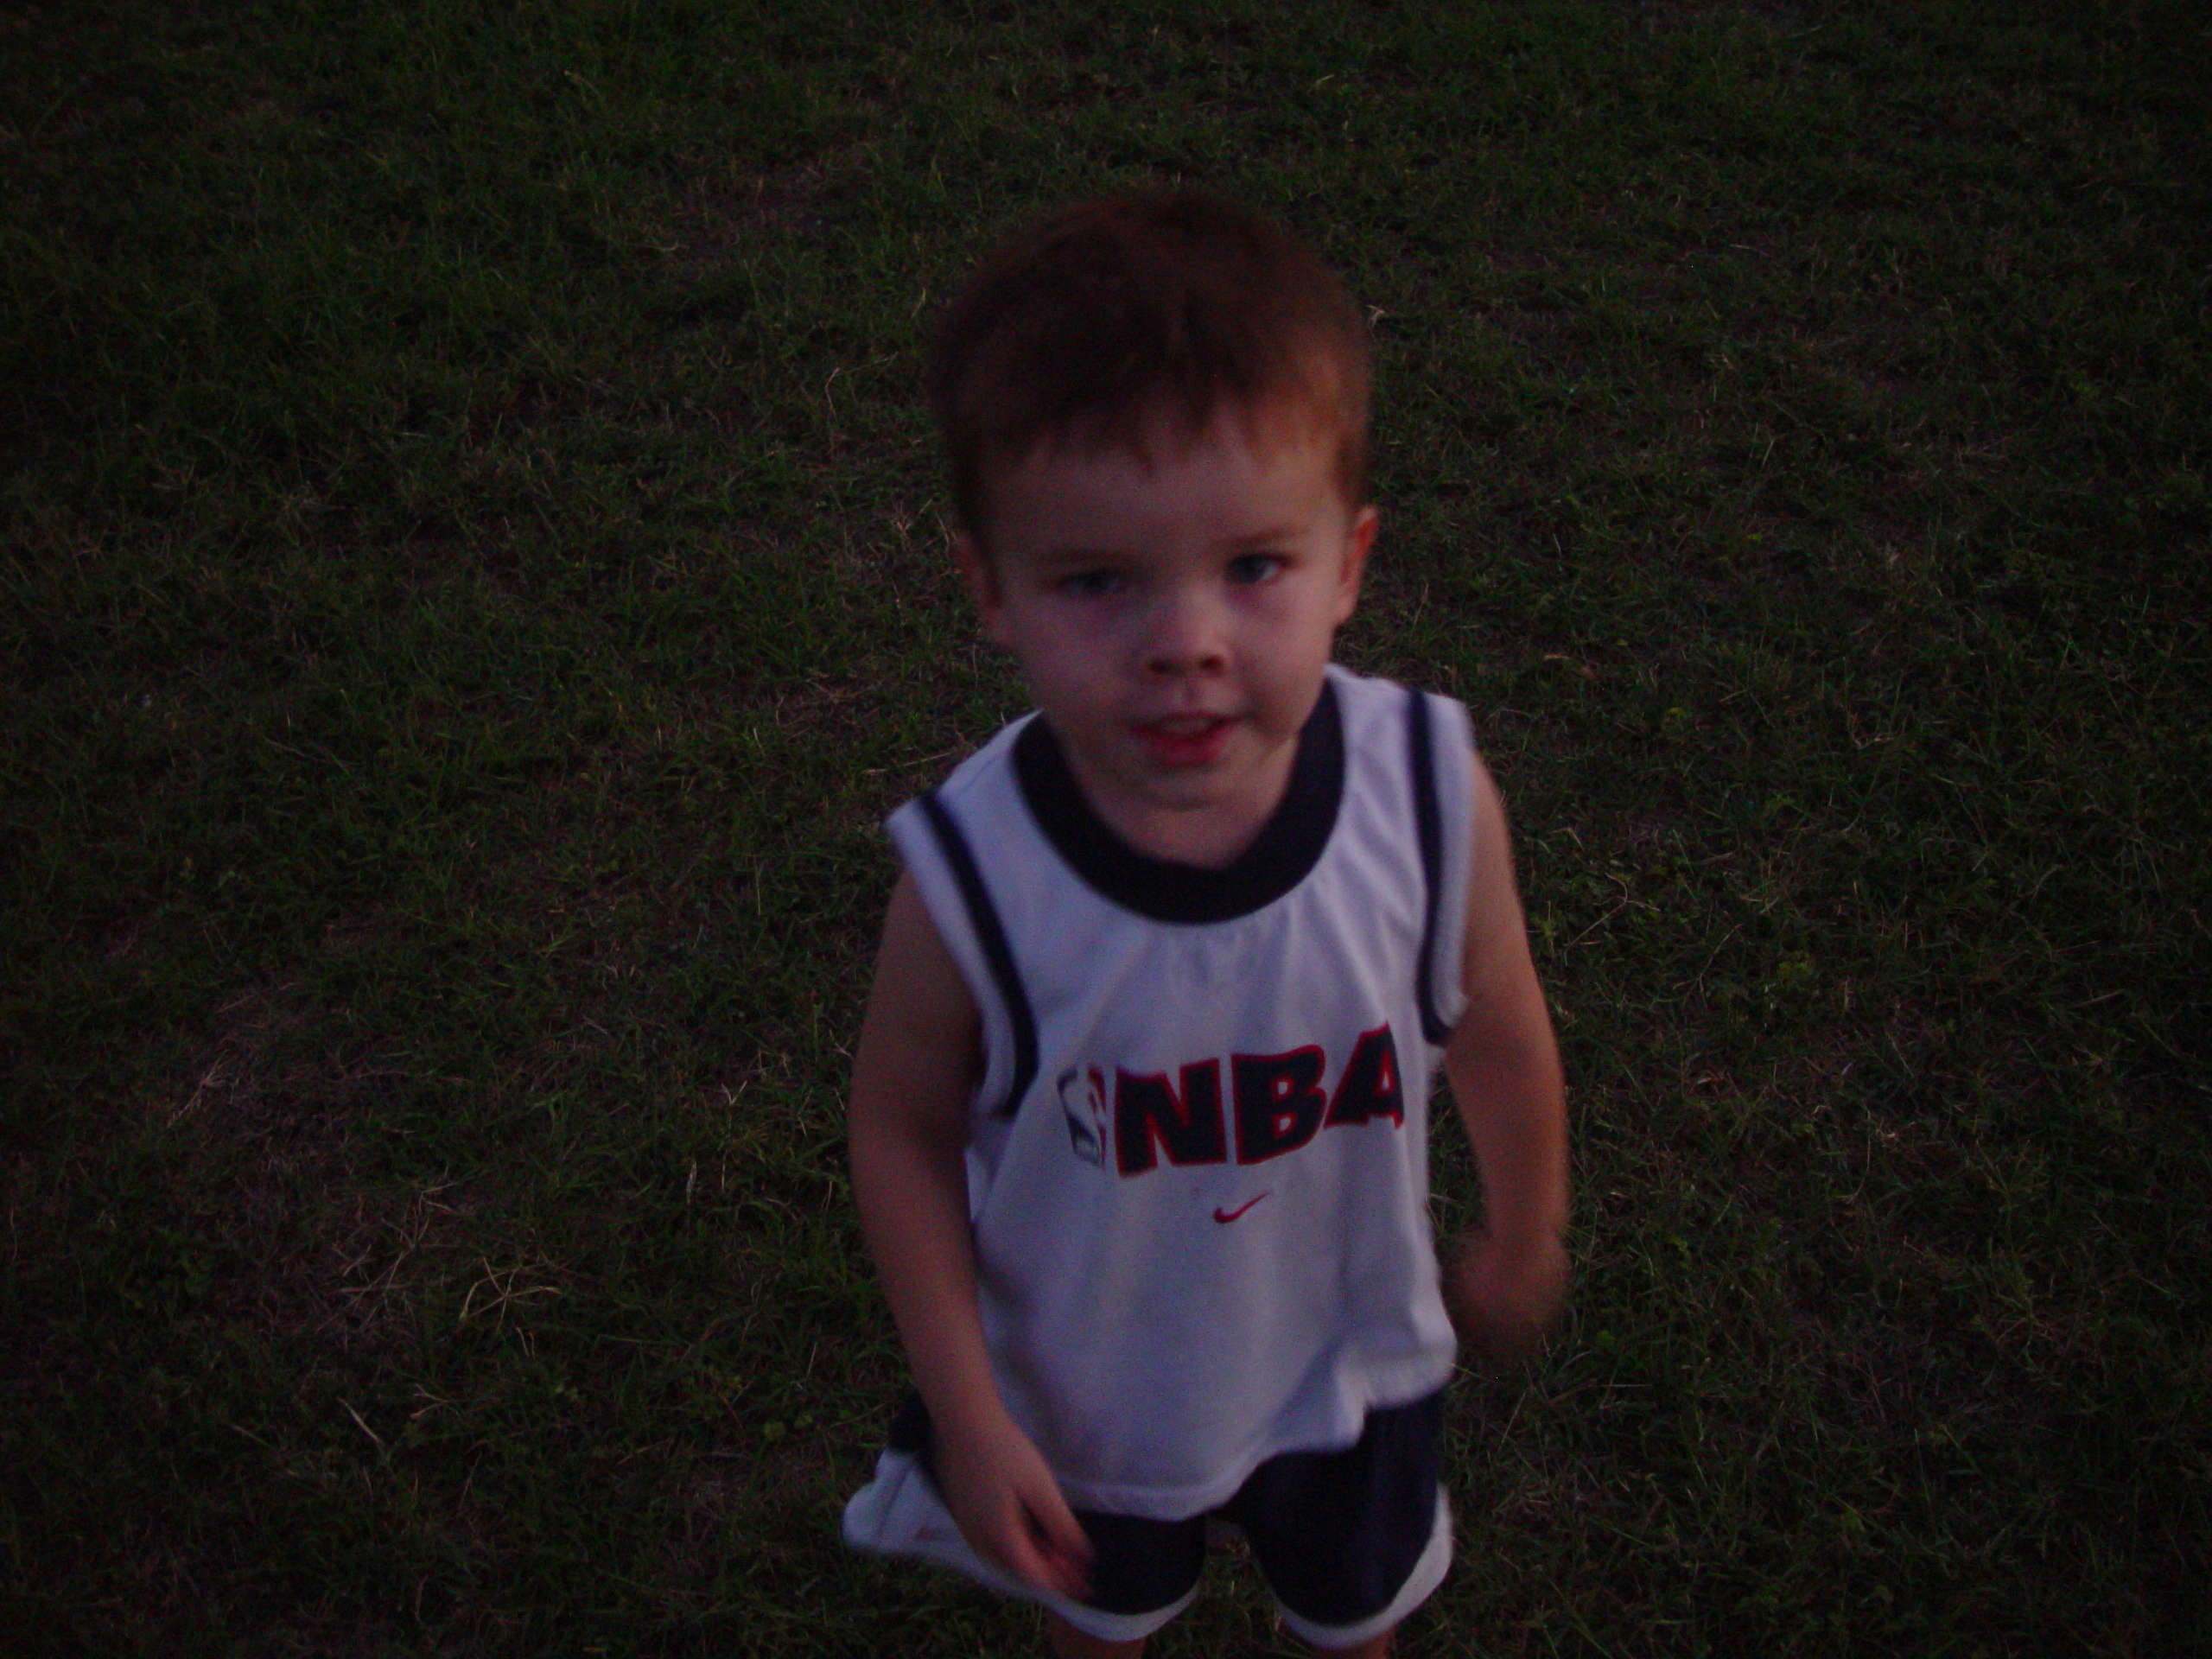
x=1009, y=1508
x=1504, y=1295
x=920, y=1055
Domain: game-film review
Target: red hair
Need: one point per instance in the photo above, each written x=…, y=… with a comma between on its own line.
x=1090, y=326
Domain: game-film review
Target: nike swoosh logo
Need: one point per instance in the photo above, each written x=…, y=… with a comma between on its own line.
x=1225, y=1216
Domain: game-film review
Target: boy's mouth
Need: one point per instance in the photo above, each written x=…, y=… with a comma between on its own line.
x=1183, y=740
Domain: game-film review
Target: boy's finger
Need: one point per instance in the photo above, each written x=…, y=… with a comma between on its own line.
x=1060, y=1545
x=1031, y=1555
x=1068, y=1542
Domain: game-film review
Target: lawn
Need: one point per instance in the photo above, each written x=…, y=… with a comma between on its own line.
x=475, y=579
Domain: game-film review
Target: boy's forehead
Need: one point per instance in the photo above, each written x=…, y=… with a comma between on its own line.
x=1166, y=435
x=1223, y=482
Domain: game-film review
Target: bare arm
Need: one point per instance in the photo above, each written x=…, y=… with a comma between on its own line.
x=915, y=1068
x=1507, y=1280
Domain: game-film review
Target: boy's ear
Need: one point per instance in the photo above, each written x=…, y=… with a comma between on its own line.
x=982, y=586
x=1359, y=538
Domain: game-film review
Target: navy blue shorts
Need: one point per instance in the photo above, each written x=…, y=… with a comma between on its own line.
x=1338, y=1534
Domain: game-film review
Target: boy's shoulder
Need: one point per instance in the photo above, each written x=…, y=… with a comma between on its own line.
x=1372, y=702
x=993, y=757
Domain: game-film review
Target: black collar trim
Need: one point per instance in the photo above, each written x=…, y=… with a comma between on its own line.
x=1280, y=857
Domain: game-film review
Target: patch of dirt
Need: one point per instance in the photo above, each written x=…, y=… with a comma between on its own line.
x=310, y=1247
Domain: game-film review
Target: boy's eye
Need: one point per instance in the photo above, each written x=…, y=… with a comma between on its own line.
x=1248, y=569
x=1092, y=584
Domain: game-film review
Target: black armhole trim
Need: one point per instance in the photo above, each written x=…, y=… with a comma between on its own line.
x=1428, y=829
x=983, y=918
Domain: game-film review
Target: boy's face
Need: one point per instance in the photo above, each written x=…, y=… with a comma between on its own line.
x=1175, y=619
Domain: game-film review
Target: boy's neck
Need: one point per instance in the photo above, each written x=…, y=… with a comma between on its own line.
x=1211, y=837
x=1273, y=858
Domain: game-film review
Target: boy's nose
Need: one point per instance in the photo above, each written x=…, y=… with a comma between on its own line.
x=1186, y=637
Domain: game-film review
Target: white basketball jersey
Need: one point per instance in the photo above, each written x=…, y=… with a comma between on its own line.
x=1198, y=1168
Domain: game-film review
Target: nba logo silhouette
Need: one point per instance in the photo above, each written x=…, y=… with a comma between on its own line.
x=1083, y=1103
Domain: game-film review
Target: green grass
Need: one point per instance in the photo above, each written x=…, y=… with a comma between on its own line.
x=474, y=578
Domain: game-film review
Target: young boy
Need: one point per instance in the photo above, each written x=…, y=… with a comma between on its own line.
x=1138, y=1111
